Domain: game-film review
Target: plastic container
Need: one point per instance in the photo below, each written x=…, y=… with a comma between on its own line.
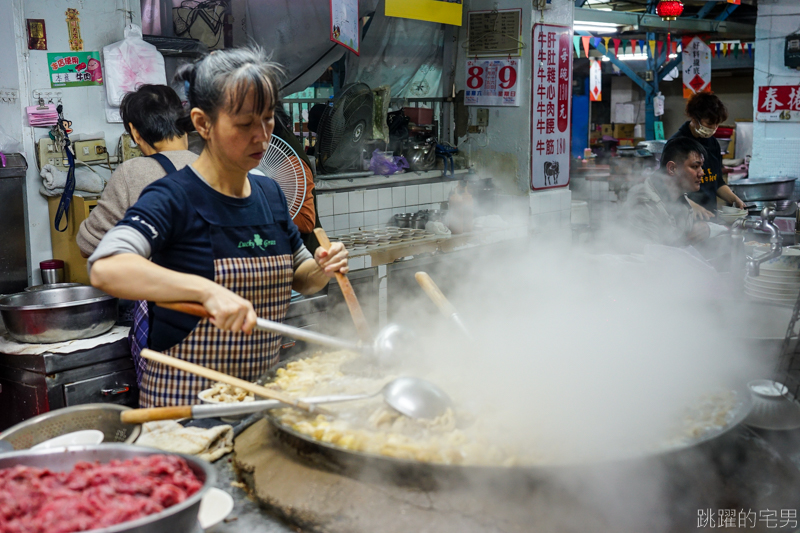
x=52, y=271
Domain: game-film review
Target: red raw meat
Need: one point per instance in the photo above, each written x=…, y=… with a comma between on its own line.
x=92, y=495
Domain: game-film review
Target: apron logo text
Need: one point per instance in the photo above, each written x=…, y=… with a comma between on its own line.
x=256, y=242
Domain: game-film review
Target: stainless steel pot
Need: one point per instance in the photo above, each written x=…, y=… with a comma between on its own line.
x=180, y=518
x=421, y=156
x=57, y=315
x=48, y=286
x=418, y=222
x=758, y=189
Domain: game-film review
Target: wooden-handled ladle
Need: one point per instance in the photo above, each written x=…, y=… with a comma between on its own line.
x=138, y=416
x=349, y=294
x=438, y=298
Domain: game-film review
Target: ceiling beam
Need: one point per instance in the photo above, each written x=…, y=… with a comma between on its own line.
x=727, y=11
x=646, y=22
x=705, y=10
x=579, y=3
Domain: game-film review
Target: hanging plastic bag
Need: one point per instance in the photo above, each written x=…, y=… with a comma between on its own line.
x=131, y=63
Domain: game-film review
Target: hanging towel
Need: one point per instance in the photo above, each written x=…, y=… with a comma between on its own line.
x=85, y=180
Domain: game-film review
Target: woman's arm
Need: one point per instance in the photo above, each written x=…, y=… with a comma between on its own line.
x=313, y=274
x=133, y=277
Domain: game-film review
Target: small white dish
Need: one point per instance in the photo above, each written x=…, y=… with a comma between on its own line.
x=215, y=505
x=773, y=406
x=76, y=438
x=205, y=397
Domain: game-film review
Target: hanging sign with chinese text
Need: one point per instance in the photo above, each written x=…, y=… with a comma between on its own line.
x=778, y=103
x=696, y=67
x=75, y=69
x=595, y=81
x=551, y=90
x=344, y=24
x=492, y=82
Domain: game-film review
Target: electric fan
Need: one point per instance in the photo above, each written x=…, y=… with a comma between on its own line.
x=282, y=164
x=343, y=129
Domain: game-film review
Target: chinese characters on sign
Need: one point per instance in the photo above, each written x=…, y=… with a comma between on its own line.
x=492, y=82
x=785, y=519
x=595, y=81
x=75, y=69
x=74, y=30
x=779, y=103
x=494, y=33
x=551, y=94
x=696, y=67
x=37, y=36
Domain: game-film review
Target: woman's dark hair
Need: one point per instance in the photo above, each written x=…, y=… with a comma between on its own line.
x=708, y=107
x=222, y=80
x=156, y=113
x=678, y=150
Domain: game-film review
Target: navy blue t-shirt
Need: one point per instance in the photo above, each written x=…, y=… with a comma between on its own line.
x=189, y=224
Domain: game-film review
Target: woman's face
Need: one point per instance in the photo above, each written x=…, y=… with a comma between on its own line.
x=703, y=128
x=239, y=140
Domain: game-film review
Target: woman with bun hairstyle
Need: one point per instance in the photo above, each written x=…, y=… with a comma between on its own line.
x=215, y=234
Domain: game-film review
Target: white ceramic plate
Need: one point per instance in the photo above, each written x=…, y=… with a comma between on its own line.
x=215, y=505
x=775, y=292
x=76, y=438
x=773, y=283
x=771, y=300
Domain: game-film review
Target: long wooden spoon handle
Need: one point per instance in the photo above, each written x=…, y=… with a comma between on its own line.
x=208, y=373
x=140, y=416
x=435, y=294
x=349, y=294
x=190, y=308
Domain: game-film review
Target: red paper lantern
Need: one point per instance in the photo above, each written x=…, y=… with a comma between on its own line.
x=669, y=9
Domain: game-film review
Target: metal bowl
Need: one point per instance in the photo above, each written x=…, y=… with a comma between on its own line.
x=101, y=416
x=58, y=315
x=180, y=518
x=48, y=286
x=757, y=189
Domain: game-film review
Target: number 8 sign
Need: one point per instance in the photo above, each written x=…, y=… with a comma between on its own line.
x=492, y=82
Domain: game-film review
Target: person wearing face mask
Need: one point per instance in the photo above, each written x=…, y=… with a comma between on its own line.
x=658, y=211
x=217, y=235
x=706, y=112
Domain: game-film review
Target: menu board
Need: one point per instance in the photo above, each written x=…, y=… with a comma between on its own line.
x=778, y=103
x=494, y=33
x=492, y=82
x=551, y=93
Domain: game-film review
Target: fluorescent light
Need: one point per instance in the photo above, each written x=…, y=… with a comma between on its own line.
x=597, y=27
x=635, y=57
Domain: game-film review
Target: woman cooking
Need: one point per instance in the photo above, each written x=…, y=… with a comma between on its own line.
x=706, y=112
x=216, y=235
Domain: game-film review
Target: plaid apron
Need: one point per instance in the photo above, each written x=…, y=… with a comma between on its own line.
x=264, y=281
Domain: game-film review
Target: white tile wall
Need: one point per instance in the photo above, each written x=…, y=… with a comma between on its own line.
x=425, y=193
x=398, y=196
x=355, y=200
x=370, y=200
x=340, y=203
x=412, y=195
x=325, y=205
x=385, y=198
x=550, y=210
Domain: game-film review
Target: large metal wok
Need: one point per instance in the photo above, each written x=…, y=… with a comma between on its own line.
x=760, y=189
x=404, y=471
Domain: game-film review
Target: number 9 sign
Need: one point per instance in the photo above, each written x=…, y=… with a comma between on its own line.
x=492, y=82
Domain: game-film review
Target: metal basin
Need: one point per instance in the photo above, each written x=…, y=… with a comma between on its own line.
x=49, y=286
x=56, y=315
x=763, y=188
x=180, y=518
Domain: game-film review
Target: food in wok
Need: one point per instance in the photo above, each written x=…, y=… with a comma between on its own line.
x=456, y=437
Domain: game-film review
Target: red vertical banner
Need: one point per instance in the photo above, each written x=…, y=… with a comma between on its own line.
x=551, y=95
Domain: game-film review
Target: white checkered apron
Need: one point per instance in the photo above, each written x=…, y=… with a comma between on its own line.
x=264, y=281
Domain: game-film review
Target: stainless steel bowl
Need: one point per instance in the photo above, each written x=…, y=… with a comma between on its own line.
x=58, y=315
x=180, y=518
x=402, y=220
x=100, y=416
x=48, y=286
x=758, y=189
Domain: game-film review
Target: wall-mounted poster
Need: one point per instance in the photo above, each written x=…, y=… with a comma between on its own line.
x=492, y=82
x=551, y=90
x=37, y=35
x=494, y=33
x=778, y=103
x=75, y=69
x=441, y=11
x=344, y=24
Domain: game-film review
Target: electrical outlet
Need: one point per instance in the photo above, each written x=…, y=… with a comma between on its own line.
x=46, y=154
x=48, y=96
x=91, y=151
x=483, y=117
x=129, y=148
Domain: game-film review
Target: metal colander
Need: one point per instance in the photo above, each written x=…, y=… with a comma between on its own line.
x=100, y=416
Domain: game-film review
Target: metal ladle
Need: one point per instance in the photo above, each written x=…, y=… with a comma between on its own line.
x=413, y=397
x=392, y=343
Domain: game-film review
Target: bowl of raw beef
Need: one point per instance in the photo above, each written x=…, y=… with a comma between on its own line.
x=108, y=488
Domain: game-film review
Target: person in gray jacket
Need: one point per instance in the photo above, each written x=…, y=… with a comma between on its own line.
x=155, y=119
x=658, y=210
